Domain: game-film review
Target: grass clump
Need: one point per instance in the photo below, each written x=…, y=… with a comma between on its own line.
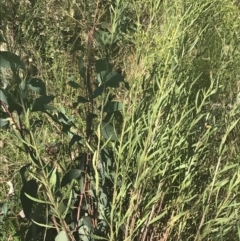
x=122, y=120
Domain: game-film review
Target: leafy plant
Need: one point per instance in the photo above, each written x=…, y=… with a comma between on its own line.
x=82, y=210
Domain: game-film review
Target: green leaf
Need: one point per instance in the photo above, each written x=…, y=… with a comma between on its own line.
x=36, y=199
x=113, y=79
x=44, y=100
x=41, y=102
x=69, y=176
x=7, y=59
x=37, y=85
x=23, y=89
x=81, y=99
x=62, y=207
x=103, y=199
x=42, y=225
x=96, y=237
x=99, y=90
x=53, y=178
x=29, y=188
x=105, y=157
x=84, y=230
x=62, y=236
x=113, y=106
x=101, y=77
x=39, y=212
x=3, y=98
x=100, y=65
x=108, y=131
x=74, y=84
x=63, y=118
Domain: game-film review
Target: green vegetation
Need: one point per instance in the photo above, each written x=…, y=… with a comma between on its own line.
x=120, y=120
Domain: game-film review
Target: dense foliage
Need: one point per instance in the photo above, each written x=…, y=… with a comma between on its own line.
x=120, y=120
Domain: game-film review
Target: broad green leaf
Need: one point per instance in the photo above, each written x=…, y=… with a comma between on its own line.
x=41, y=103
x=85, y=228
x=69, y=176
x=62, y=236
x=74, y=84
x=101, y=77
x=39, y=212
x=99, y=90
x=113, y=79
x=37, y=85
x=3, y=98
x=7, y=59
x=81, y=99
x=44, y=100
x=100, y=65
x=29, y=188
x=113, y=106
x=108, y=131
x=87, y=221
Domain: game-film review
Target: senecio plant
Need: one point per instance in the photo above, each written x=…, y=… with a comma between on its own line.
x=73, y=204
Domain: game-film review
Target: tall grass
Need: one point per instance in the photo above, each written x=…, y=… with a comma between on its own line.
x=182, y=174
